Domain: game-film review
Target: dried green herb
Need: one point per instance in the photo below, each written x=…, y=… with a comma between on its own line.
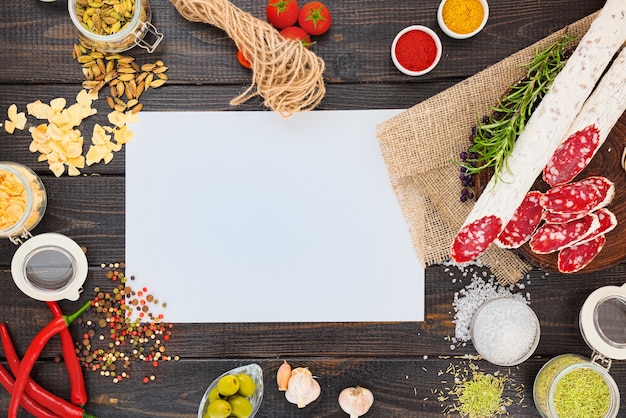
x=582, y=393
x=546, y=376
x=477, y=394
x=497, y=133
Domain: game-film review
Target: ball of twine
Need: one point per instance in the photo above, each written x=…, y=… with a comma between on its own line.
x=286, y=74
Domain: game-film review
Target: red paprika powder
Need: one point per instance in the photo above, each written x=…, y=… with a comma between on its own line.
x=416, y=50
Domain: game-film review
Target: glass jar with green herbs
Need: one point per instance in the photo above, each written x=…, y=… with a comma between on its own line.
x=572, y=386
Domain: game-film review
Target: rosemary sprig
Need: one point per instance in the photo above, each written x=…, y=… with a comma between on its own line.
x=497, y=133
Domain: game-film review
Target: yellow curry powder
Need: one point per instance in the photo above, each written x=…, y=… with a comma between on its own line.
x=463, y=16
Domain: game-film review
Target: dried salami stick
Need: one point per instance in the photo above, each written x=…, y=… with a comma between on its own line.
x=590, y=128
x=544, y=131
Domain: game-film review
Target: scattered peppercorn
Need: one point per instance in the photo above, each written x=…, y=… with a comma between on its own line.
x=113, y=337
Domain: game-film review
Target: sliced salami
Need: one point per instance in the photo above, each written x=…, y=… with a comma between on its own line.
x=605, y=186
x=561, y=218
x=474, y=239
x=572, y=156
x=549, y=238
x=608, y=222
x=525, y=220
x=576, y=258
x=571, y=198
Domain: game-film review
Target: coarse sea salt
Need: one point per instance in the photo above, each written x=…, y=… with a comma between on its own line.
x=505, y=331
x=482, y=288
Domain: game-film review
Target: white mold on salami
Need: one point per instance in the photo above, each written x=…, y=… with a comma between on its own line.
x=550, y=122
x=525, y=220
x=549, y=238
x=577, y=257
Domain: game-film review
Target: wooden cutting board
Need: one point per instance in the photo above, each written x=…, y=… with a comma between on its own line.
x=607, y=163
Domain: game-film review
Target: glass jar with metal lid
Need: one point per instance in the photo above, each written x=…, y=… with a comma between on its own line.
x=122, y=33
x=45, y=267
x=572, y=385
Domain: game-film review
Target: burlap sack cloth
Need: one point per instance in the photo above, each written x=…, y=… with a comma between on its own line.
x=421, y=148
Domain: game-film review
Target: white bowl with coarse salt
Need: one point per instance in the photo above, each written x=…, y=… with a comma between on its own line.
x=505, y=331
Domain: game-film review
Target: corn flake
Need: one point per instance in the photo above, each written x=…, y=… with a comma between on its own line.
x=38, y=109
x=61, y=145
x=12, y=200
x=16, y=120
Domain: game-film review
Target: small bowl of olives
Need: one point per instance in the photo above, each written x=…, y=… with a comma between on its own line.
x=238, y=393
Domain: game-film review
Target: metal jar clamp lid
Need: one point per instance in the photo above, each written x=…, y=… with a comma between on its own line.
x=50, y=267
x=603, y=323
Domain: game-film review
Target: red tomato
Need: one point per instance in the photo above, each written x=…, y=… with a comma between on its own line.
x=282, y=13
x=299, y=34
x=242, y=60
x=314, y=18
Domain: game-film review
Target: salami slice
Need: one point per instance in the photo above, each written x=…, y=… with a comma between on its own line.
x=549, y=238
x=525, y=220
x=571, y=198
x=572, y=156
x=607, y=220
x=576, y=258
x=605, y=186
x=561, y=218
x=474, y=238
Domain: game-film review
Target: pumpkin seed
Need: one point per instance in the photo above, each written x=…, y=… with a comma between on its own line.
x=157, y=83
x=125, y=77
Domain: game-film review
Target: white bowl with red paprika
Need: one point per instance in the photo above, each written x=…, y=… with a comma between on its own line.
x=416, y=50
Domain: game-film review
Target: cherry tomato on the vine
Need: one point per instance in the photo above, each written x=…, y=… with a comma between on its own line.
x=315, y=18
x=282, y=13
x=299, y=34
x=242, y=59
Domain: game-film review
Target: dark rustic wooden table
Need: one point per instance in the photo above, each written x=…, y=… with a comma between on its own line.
x=399, y=362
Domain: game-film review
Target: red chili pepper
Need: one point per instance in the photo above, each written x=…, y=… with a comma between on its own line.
x=34, y=390
x=78, y=393
x=28, y=403
x=33, y=352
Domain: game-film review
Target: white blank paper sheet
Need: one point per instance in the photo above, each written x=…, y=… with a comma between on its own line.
x=249, y=217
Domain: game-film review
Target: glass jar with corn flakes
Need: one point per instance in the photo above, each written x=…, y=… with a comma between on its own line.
x=116, y=25
x=47, y=266
x=23, y=200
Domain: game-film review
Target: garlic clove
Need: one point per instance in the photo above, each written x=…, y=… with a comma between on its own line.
x=283, y=375
x=302, y=388
x=356, y=401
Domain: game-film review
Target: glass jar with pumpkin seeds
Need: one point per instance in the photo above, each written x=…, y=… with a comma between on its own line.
x=114, y=25
x=23, y=200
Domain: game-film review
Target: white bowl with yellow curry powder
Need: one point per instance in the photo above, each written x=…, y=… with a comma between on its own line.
x=462, y=19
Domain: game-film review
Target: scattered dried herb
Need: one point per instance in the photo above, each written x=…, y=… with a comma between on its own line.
x=477, y=394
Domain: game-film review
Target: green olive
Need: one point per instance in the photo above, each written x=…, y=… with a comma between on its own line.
x=214, y=394
x=246, y=385
x=219, y=408
x=228, y=385
x=241, y=407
